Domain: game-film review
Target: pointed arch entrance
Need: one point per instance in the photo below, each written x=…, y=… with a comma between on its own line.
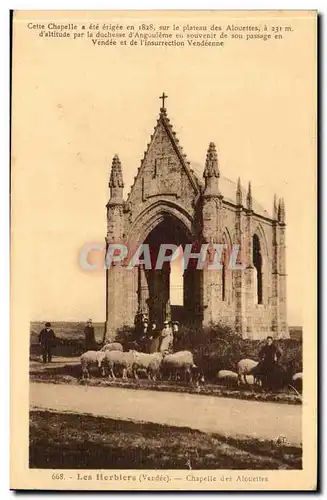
x=155, y=288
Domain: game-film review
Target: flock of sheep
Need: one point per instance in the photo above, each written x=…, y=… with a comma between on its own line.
x=112, y=361
x=246, y=372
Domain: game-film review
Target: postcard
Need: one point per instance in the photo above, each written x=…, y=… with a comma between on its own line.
x=163, y=250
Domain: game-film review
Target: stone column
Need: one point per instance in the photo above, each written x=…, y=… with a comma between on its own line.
x=143, y=291
x=249, y=271
x=115, y=299
x=130, y=284
x=240, y=274
x=275, y=282
x=166, y=290
x=282, y=303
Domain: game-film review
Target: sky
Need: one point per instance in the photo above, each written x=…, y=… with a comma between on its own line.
x=76, y=106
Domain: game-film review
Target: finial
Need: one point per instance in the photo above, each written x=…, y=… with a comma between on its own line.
x=249, y=197
x=116, y=175
x=211, y=168
x=281, y=211
x=239, y=192
x=275, y=208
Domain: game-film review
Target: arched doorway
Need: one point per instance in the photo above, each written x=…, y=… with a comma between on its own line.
x=169, y=293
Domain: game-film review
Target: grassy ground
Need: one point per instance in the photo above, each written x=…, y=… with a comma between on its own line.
x=71, y=441
x=71, y=374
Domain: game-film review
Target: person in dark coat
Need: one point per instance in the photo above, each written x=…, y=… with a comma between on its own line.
x=89, y=336
x=176, y=334
x=154, y=339
x=269, y=356
x=144, y=335
x=47, y=340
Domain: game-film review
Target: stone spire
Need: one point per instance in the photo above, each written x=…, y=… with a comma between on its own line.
x=281, y=211
x=239, y=195
x=116, y=183
x=275, y=208
x=211, y=172
x=249, y=198
x=211, y=168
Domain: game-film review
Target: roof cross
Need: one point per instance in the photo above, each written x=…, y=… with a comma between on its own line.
x=163, y=97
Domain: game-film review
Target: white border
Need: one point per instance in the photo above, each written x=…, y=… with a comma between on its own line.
x=4, y=174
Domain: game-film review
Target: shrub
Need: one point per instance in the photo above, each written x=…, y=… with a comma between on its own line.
x=126, y=336
x=218, y=347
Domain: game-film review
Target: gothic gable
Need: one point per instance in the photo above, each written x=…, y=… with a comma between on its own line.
x=164, y=170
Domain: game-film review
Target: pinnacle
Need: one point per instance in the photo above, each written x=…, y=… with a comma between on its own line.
x=239, y=192
x=281, y=211
x=275, y=208
x=116, y=175
x=211, y=168
x=249, y=197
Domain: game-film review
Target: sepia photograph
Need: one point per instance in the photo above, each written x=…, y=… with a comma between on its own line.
x=163, y=227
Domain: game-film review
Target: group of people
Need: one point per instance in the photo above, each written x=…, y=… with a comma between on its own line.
x=48, y=340
x=153, y=339
x=150, y=337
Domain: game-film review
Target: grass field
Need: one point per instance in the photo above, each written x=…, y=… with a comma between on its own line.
x=71, y=441
x=71, y=376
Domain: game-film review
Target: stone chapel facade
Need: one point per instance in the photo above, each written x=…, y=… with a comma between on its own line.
x=170, y=203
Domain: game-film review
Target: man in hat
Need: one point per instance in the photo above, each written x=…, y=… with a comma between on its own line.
x=47, y=340
x=269, y=356
x=89, y=336
x=154, y=338
x=166, y=338
x=144, y=334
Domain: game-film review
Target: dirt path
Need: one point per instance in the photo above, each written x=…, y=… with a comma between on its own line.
x=224, y=416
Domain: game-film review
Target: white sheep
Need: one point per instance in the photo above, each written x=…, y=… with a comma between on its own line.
x=112, y=346
x=181, y=361
x=118, y=360
x=297, y=381
x=245, y=367
x=227, y=377
x=149, y=362
x=297, y=376
x=90, y=358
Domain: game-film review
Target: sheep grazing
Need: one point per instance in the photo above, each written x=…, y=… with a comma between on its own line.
x=246, y=367
x=297, y=381
x=179, y=362
x=150, y=363
x=89, y=359
x=117, y=360
x=227, y=377
x=112, y=346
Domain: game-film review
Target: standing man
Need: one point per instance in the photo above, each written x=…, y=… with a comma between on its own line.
x=47, y=340
x=269, y=356
x=89, y=336
x=154, y=339
x=144, y=334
